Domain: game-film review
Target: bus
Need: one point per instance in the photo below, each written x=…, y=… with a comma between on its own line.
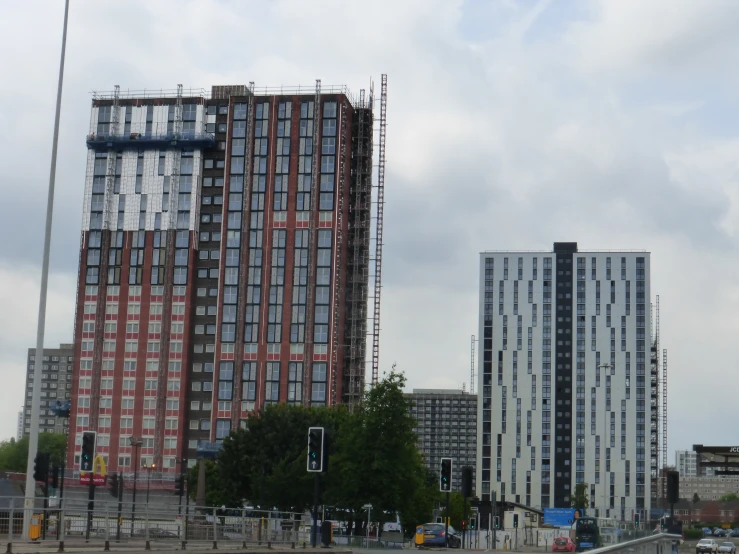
x=587, y=534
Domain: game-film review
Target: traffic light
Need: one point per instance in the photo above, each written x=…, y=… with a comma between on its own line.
x=636, y=520
x=55, y=476
x=315, y=449
x=473, y=523
x=113, y=484
x=515, y=521
x=88, y=451
x=673, y=487
x=41, y=467
x=445, y=475
x=179, y=486
x=496, y=522
x=466, y=481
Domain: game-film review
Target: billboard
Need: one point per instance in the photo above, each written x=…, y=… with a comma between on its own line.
x=561, y=517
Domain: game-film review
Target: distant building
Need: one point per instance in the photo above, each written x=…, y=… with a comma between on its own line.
x=56, y=384
x=708, y=487
x=686, y=462
x=709, y=512
x=447, y=427
x=19, y=431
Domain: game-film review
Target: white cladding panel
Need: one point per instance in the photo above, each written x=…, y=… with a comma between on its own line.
x=152, y=183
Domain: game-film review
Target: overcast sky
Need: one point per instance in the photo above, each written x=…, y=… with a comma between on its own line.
x=511, y=125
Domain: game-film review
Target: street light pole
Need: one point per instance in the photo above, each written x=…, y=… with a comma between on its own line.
x=149, y=468
x=605, y=367
x=30, y=491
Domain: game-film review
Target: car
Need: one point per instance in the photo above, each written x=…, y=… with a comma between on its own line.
x=563, y=544
x=706, y=545
x=727, y=547
x=734, y=533
x=435, y=534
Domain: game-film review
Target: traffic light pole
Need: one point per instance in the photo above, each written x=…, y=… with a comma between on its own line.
x=464, y=520
x=314, y=527
x=495, y=514
x=90, y=506
x=120, y=507
x=446, y=520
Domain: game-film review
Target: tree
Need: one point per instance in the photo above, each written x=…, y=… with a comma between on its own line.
x=14, y=454
x=377, y=455
x=456, y=509
x=216, y=494
x=580, y=498
x=696, y=498
x=731, y=497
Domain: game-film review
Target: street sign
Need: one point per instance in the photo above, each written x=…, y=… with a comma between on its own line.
x=209, y=449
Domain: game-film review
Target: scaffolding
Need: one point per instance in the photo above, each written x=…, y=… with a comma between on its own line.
x=169, y=254
x=310, y=307
x=378, y=233
x=108, y=224
x=472, y=365
x=339, y=252
x=358, y=247
x=664, y=419
x=243, y=270
x=656, y=461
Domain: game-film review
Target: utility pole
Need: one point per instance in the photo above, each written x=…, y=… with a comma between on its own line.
x=30, y=492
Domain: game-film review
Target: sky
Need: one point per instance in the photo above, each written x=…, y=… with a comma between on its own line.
x=511, y=125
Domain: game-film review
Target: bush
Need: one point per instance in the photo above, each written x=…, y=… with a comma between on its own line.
x=693, y=534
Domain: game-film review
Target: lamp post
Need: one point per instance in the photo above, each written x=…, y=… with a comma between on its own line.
x=136, y=444
x=605, y=367
x=149, y=469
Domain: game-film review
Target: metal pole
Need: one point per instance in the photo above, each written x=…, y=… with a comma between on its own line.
x=30, y=492
x=446, y=521
x=314, y=528
x=135, y=478
x=495, y=514
x=120, y=506
x=464, y=521
x=61, y=484
x=148, y=484
x=90, y=505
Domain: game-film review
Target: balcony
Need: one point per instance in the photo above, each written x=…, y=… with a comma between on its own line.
x=163, y=141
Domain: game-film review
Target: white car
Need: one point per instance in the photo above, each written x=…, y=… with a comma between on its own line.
x=727, y=548
x=706, y=546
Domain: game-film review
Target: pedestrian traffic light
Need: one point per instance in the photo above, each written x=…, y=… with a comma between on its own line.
x=179, y=486
x=113, y=484
x=636, y=519
x=515, y=521
x=473, y=523
x=315, y=449
x=496, y=522
x=88, y=451
x=41, y=467
x=445, y=475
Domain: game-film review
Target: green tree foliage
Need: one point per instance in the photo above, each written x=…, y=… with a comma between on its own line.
x=696, y=498
x=372, y=455
x=731, y=497
x=580, y=498
x=456, y=509
x=216, y=491
x=14, y=454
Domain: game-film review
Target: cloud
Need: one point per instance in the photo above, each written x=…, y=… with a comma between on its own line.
x=510, y=126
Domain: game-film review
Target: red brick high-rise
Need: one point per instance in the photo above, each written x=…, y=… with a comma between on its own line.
x=225, y=259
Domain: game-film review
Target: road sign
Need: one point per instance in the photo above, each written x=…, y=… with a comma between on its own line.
x=209, y=449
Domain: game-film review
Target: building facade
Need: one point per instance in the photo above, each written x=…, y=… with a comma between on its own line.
x=447, y=428
x=711, y=487
x=564, y=386
x=19, y=429
x=688, y=464
x=224, y=264
x=56, y=386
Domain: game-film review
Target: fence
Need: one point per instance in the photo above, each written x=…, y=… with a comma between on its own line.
x=110, y=521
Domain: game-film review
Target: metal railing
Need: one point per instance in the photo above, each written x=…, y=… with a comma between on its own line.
x=660, y=543
x=110, y=521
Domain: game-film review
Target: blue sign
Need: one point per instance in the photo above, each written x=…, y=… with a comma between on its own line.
x=209, y=449
x=561, y=517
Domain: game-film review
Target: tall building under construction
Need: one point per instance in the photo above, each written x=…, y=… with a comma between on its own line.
x=230, y=242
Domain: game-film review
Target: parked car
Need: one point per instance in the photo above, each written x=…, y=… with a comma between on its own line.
x=706, y=531
x=727, y=547
x=706, y=545
x=434, y=534
x=563, y=544
x=734, y=533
